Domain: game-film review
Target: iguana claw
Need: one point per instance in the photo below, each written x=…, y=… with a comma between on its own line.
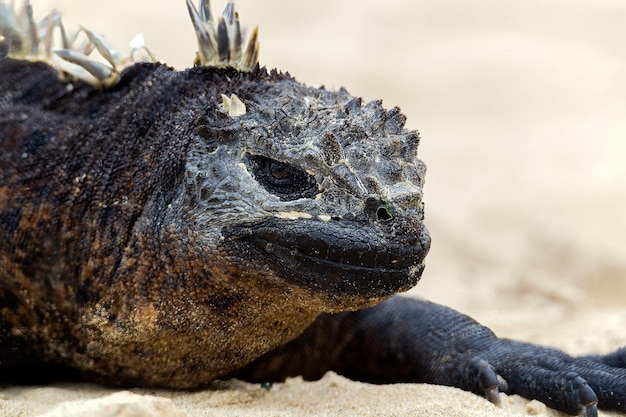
x=589, y=411
x=488, y=380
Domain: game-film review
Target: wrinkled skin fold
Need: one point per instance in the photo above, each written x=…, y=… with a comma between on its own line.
x=150, y=238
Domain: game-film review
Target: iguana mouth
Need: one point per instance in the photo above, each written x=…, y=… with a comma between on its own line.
x=342, y=259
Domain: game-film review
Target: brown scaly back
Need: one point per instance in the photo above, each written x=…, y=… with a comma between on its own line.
x=219, y=44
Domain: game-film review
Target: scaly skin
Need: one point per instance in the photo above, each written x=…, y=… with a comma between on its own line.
x=139, y=245
x=150, y=238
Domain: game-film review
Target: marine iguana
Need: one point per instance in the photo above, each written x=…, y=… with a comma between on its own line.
x=166, y=228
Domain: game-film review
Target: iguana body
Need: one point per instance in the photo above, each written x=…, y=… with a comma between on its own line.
x=160, y=235
x=151, y=236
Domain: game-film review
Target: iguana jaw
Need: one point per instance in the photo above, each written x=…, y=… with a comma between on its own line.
x=353, y=261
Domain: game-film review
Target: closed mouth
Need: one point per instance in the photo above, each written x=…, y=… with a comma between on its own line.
x=349, y=260
x=343, y=251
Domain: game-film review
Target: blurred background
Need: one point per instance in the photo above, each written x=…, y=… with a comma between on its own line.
x=522, y=111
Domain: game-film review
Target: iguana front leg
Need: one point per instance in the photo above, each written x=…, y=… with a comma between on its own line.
x=407, y=340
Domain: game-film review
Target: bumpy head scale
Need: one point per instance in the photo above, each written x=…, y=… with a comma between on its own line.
x=219, y=43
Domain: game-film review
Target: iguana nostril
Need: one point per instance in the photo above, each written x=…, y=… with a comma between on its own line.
x=377, y=206
x=383, y=214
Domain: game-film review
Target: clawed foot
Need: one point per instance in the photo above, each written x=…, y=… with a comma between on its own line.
x=573, y=385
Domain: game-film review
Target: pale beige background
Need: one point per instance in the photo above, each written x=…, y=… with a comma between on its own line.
x=521, y=107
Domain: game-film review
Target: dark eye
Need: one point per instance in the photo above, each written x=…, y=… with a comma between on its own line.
x=285, y=181
x=280, y=171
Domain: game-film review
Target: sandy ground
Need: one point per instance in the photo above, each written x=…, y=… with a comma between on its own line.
x=521, y=107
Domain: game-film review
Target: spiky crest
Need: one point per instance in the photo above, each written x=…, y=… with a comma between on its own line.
x=220, y=43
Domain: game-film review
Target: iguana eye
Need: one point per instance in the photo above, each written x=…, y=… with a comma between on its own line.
x=280, y=172
x=285, y=181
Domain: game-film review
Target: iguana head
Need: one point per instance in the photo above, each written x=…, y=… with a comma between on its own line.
x=313, y=185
